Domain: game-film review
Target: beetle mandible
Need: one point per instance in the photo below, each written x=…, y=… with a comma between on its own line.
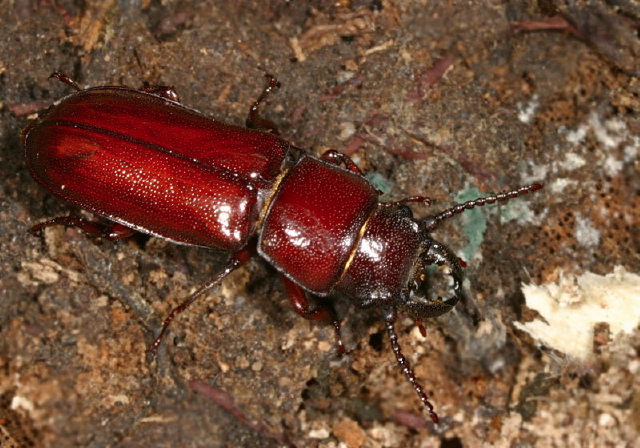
x=146, y=163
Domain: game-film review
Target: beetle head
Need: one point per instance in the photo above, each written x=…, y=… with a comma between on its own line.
x=420, y=302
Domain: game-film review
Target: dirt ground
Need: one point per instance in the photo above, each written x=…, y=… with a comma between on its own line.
x=446, y=99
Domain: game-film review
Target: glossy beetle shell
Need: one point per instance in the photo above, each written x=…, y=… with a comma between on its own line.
x=154, y=165
x=313, y=223
x=385, y=259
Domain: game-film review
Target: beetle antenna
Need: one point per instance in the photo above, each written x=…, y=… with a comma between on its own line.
x=432, y=222
x=406, y=368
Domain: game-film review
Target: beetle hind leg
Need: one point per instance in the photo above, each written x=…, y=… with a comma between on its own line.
x=110, y=232
x=298, y=299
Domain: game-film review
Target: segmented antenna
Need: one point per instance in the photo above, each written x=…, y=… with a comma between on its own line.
x=432, y=222
x=406, y=368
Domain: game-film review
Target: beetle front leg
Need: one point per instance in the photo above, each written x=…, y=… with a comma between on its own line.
x=298, y=299
x=111, y=232
x=237, y=260
x=336, y=157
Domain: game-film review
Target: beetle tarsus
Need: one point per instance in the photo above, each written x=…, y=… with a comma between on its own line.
x=339, y=344
x=65, y=79
x=254, y=120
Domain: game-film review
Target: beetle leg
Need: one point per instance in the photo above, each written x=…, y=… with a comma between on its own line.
x=389, y=319
x=337, y=158
x=65, y=79
x=237, y=260
x=421, y=328
x=167, y=92
x=111, y=232
x=298, y=299
x=254, y=120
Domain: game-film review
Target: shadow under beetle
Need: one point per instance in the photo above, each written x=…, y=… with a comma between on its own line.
x=149, y=164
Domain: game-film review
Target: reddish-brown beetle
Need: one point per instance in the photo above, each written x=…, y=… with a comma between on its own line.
x=148, y=164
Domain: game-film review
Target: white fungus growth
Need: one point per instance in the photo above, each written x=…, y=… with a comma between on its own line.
x=571, y=308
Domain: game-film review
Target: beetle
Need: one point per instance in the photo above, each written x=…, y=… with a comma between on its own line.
x=149, y=164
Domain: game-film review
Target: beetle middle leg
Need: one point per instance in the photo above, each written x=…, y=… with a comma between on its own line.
x=298, y=299
x=237, y=260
